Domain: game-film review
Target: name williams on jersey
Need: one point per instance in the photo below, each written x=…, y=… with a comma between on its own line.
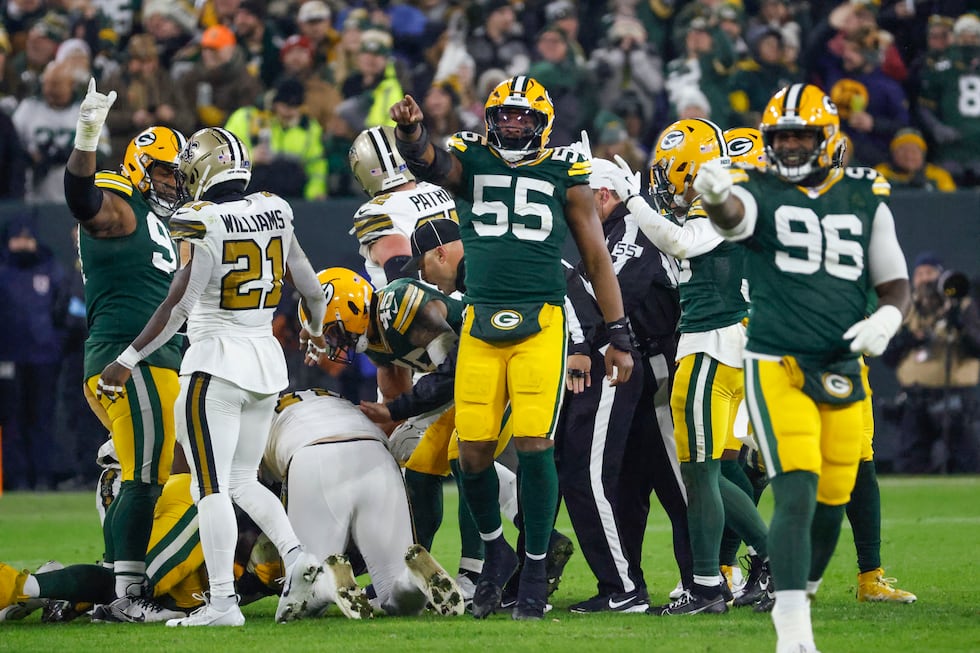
x=254, y=223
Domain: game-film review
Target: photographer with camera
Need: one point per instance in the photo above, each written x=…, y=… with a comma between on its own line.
x=936, y=356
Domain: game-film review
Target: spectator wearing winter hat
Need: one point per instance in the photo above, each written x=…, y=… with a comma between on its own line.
x=572, y=87
x=322, y=97
x=146, y=96
x=25, y=68
x=286, y=145
x=260, y=40
x=908, y=166
x=497, y=41
x=612, y=139
x=755, y=80
x=171, y=23
x=219, y=83
x=705, y=64
x=377, y=80
x=950, y=121
x=879, y=109
x=313, y=22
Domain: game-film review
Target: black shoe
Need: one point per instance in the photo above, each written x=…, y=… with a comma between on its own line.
x=756, y=583
x=532, y=595
x=693, y=603
x=498, y=566
x=560, y=549
x=768, y=599
x=529, y=609
x=627, y=602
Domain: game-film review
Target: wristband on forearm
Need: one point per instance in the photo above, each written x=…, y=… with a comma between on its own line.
x=129, y=358
x=579, y=349
x=620, y=335
x=413, y=150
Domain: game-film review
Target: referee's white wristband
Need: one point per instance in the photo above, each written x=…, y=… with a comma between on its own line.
x=129, y=358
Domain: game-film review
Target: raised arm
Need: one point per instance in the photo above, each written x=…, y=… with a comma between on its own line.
x=424, y=159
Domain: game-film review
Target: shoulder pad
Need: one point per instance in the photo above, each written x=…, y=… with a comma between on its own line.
x=115, y=182
x=368, y=223
x=461, y=140
x=185, y=223
x=879, y=185
x=739, y=174
x=696, y=210
x=408, y=307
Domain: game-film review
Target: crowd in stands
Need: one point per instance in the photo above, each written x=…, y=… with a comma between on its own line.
x=298, y=79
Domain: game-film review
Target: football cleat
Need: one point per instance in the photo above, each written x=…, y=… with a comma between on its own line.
x=466, y=581
x=693, y=603
x=498, y=566
x=767, y=600
x=625, y=602
x=560, y=549
x=337, y=585
x=208, y=615
x=134, y=610
x=61, y=612
x=532, y=593
x=297, y=589
x=873, y=586
x=757, y=581
x=444, y=595
x=20, y=609
x=677, y=592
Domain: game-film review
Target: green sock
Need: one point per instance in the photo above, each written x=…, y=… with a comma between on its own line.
x=471, y=546
x=826, y=531
x=705, y=514
x=132, y=519
x=795, y=499
x=107, y=535
x=864, y=513
x=730, y=541
x=78, y=584
x=538, y=494
x=481, y=492
x=425, y=500
x=743, y=517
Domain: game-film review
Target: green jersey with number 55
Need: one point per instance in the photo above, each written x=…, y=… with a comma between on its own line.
x=400, y=304
x=807, y=262
x=512, y=221
x=126, y=278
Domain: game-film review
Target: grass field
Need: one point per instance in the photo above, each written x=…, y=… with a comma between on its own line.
x=931, y=534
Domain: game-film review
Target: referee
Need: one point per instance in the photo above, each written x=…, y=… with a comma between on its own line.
x=615, y=443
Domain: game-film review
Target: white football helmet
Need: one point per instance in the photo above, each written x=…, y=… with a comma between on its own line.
x=211, y=156
x=376, y=163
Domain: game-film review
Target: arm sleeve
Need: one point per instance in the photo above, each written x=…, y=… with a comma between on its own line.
x=431, y=391
x=746, y=227
x=886, y=262
x=693, y=239
x=199, y=276
x=304, y=278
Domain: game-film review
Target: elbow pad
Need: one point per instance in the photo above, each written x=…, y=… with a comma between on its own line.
x=84, y=198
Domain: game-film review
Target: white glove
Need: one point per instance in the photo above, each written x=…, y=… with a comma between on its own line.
x=403, y=441
x=583, y=146
x=713, y=183
x=870, y=336
x=629, y=184
x=91, y=117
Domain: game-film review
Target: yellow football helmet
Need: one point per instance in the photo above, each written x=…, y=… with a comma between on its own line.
x=212, y=156
x=519, y=103
x=745, y=147
x=802, y=107
x=376, y=163
x=849, y=96
x=683, y=147
x=348, y=315
x=154, y=146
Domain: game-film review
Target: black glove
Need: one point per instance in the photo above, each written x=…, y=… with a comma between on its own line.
x=621, y=335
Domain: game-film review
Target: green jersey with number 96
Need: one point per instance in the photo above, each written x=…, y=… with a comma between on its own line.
x=807, y=262
x=512, y=221
x=126, y=279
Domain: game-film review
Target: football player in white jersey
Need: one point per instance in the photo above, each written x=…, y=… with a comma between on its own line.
x=236, y=250
x=343, y=485
x=384, y=224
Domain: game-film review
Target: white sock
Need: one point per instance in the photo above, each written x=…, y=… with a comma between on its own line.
x=507, y=492
x=812, y=586
x=791, y=617
x=219, y=535
x=31, y=588
x=707, y=581
x=267, y=512
x=471, y=564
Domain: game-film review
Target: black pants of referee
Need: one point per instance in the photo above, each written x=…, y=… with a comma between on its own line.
x=601, y=431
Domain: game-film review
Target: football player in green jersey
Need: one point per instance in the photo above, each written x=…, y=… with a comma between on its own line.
x=128, y=261
x=820, y=237
x=520, y=199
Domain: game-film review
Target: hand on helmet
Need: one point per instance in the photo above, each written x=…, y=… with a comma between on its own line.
x=629, y=184
x=713, y=183
x=91, y=117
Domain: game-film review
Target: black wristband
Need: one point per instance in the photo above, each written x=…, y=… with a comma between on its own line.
x=620, y=334
x=581, y=348
x=411, y=128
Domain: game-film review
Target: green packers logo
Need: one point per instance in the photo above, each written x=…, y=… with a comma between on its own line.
x=837, y=385
x=506, y=320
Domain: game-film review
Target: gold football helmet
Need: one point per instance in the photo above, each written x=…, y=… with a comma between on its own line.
x=682, y=149
x=745, y=147
x=348, y=315
x=519, y=116
x=376, y=163
x=802, y=108
x=151, y=147
x=212, y=156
